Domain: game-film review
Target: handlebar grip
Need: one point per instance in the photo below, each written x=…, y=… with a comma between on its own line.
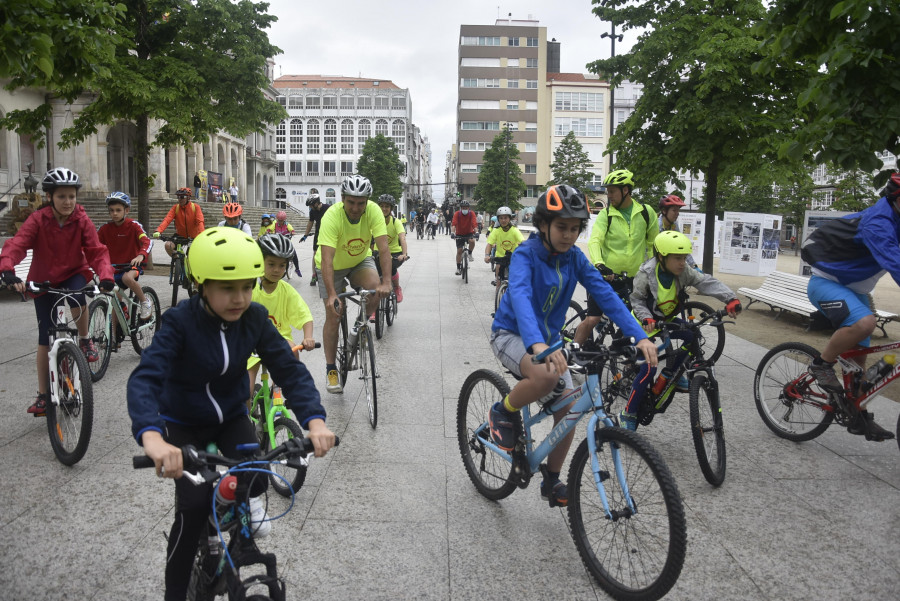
x=141, y=462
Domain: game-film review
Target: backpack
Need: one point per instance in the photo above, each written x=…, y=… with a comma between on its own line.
x=644, y=213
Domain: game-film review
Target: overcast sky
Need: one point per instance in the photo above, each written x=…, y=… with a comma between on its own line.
x=413, y=43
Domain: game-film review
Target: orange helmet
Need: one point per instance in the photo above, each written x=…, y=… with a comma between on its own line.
x=232, y=209
x=184, y=192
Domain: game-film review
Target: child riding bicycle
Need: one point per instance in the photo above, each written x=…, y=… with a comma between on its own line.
x=502, y=241
x=128, y=243
x=657, y=296
x=64, y=243
x=543, y=273
x=396, y=238
x=191, y=385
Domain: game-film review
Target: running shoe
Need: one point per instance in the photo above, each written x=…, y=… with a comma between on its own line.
x=824, y=375
x=146, y=309
x=682, y=385
x=628, y=421
x=333, y=382
x=557, y=495
x=259, y=519
x=89, y=349
x=39, y=408
x=504, y=427
x=399, y=292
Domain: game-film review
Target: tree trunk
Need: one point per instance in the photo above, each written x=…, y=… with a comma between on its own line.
x=142, y=163
x=712, y=183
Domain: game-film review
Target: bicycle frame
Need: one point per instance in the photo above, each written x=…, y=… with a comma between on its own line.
x=850, y=369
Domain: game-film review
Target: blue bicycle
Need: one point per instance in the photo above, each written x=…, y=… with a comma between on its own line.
x=624, y=509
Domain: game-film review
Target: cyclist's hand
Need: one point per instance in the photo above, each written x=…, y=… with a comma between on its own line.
x=107, y=285
x=555, y=361
x=649, y=324
x=136, y=262
x=382, y=290
x=453, y=236
x=10, y=278
x=335, y=305
x=605, y=271
x=487, y=258
x=168, y=459
x=309, y=344
x=648, y=349
x=156, y=234
x=321, y=437
x=733, y=307
x=302, y=238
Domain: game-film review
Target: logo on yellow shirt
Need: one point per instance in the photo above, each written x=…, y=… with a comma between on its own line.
x=355, y=247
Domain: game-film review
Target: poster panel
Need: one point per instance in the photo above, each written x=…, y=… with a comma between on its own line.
x=750, y=243
x=214, y=186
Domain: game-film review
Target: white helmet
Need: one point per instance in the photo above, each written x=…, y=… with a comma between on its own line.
x=356, y=185
x=504, y=211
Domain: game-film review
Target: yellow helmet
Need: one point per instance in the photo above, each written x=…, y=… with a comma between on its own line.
x=224, y=253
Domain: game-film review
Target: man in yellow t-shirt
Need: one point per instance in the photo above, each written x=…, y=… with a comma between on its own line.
x=345, y=239
x=503, y=240
x=396, y=234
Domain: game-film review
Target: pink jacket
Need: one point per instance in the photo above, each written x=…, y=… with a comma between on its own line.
x=60, y=251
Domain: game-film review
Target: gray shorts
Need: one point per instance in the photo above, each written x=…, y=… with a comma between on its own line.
x=342, y=276
x=510, y=350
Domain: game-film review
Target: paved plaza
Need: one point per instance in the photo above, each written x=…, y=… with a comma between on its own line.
x=391, y=514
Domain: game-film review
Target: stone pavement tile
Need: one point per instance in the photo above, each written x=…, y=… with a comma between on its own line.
x=402, y=444
x=138, y=575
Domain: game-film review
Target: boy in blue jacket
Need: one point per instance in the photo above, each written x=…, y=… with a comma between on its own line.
x=191, y=385
x=542, y=277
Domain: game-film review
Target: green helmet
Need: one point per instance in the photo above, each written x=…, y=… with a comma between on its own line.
x=224, y=253
x=672, y=243
x=619, y=177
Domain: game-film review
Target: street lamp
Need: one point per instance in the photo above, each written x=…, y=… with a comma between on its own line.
x=612, y=94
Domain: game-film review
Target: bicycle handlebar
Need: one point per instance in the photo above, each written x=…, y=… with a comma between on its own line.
x=175, y=238
x=299, y=347
x=90, y=289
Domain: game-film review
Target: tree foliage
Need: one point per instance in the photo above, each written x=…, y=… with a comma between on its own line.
x=380, y=162
x=571, y=165
x=500, y=181
x=853, y=189
x=736, y=194
x=702, y=108
x=194, y=66
x=848, y=52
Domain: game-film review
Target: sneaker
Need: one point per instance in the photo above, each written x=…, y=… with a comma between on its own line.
x=89, y=350
x=39, y=408
x=146, y=309
x=682, y=385
x=865, y=424
x=372, y=317
x=259, y=519
x=299, y=275
x=313, y=280
x=493, y=282
x=557, y=495
x=824, y=375
x=399, y=292
x=458, y=270
x=333, y=382
x=504, y=427
x=628, y=421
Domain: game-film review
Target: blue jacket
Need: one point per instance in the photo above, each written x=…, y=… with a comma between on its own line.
x=540, y=288
x=857, y=247
x=195, y=371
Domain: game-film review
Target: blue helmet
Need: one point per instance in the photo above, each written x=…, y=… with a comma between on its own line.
x=119, y=197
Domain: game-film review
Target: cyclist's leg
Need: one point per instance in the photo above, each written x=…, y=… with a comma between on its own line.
x=252, y=370
x=169, y=248
x=130, y=280
x=587, y=325
x=459, y=250
x=639, y=387
x=330, y=328
x=365, y=275
x=471, y=244
x=848, y=311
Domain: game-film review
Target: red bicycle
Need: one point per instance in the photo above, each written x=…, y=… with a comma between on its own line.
x=794, y=407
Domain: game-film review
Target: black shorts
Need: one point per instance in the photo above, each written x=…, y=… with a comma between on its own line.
x=463, y=240
x=622, y=288
x=43, y=306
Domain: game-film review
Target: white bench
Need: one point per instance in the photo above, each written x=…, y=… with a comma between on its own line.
x=787, y=292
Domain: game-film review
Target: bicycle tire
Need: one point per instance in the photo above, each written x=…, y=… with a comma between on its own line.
x=498, y=296
x=343, y=350
x=285, y=428
x=175, y=280
x=707, y=428
x=142, y=332
x=99, y=327
x=898, y=431
x=200, y=585
x=575, y=314
x=713, y=336
x=379, y=319
x=784, y=366
x=368, y=374
x=69, y=423
x=391, y=311
x=651, y=541
x=490, y=473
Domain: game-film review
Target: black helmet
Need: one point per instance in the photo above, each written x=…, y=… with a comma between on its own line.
x=562, y=201
x=313, y=199
x=387, y=199
x=276, y=245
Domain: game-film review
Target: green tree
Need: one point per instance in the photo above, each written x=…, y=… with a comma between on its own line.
x=500, y=181
x=702, y=109
x=736, y=194
x=571, y=165
x=848, y=53
x=380, y=162
x=852, y=189
x=193, y=66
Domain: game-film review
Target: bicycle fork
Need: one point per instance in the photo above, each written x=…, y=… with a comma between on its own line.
x=601, y=475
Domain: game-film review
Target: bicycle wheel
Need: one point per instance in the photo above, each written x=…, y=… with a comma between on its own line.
x=498, y=295
x=574, y=316
x=202, y=584
x=788, y=399
x=142, y=331
x=285, y=429
x=175, y=280
x=343, y=350
x=99, y=331
x=634, y=555
x=368, y=374
x=490, y=473
x=379, y=318
x=712, y=337
x=69, y=423
x=707, y=428
x=390, y=311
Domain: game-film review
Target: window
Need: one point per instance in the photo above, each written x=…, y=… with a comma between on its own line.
x=365, y=132
x=480, y=41
x=279, y=138
x=330, y=168
x=530, y=169
x=533, y=191
x=296, y=136
x=346, y=101
x=282, y=101
x=312, y=136
x=531, y=63
x=381, y=127
x=398, y=102
x=295, y=101
x=382, y=102
x=279, y=169
x=531, y=84
x=513, y=42
x=493, y=125
x=531, y=127
x=470, y=168
x=330, y=136
x=296, y=167
x=531, y=105
x=312, y=102
x=581, y=127
x=512, y=105
x=512, y=83
x=312, y=168
x=347, y=136
x=480, y=82
x=364, y=102
x=346, y=168
x=530, y=146
x=512, y=62
x=513, y=126
x=329, y=101
x=479, y=104
x=531, y=42
x=398, y=133
x=476, y=146
x=479, y=62
x=579, y=101
x=329, y=195
x=280, y=194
